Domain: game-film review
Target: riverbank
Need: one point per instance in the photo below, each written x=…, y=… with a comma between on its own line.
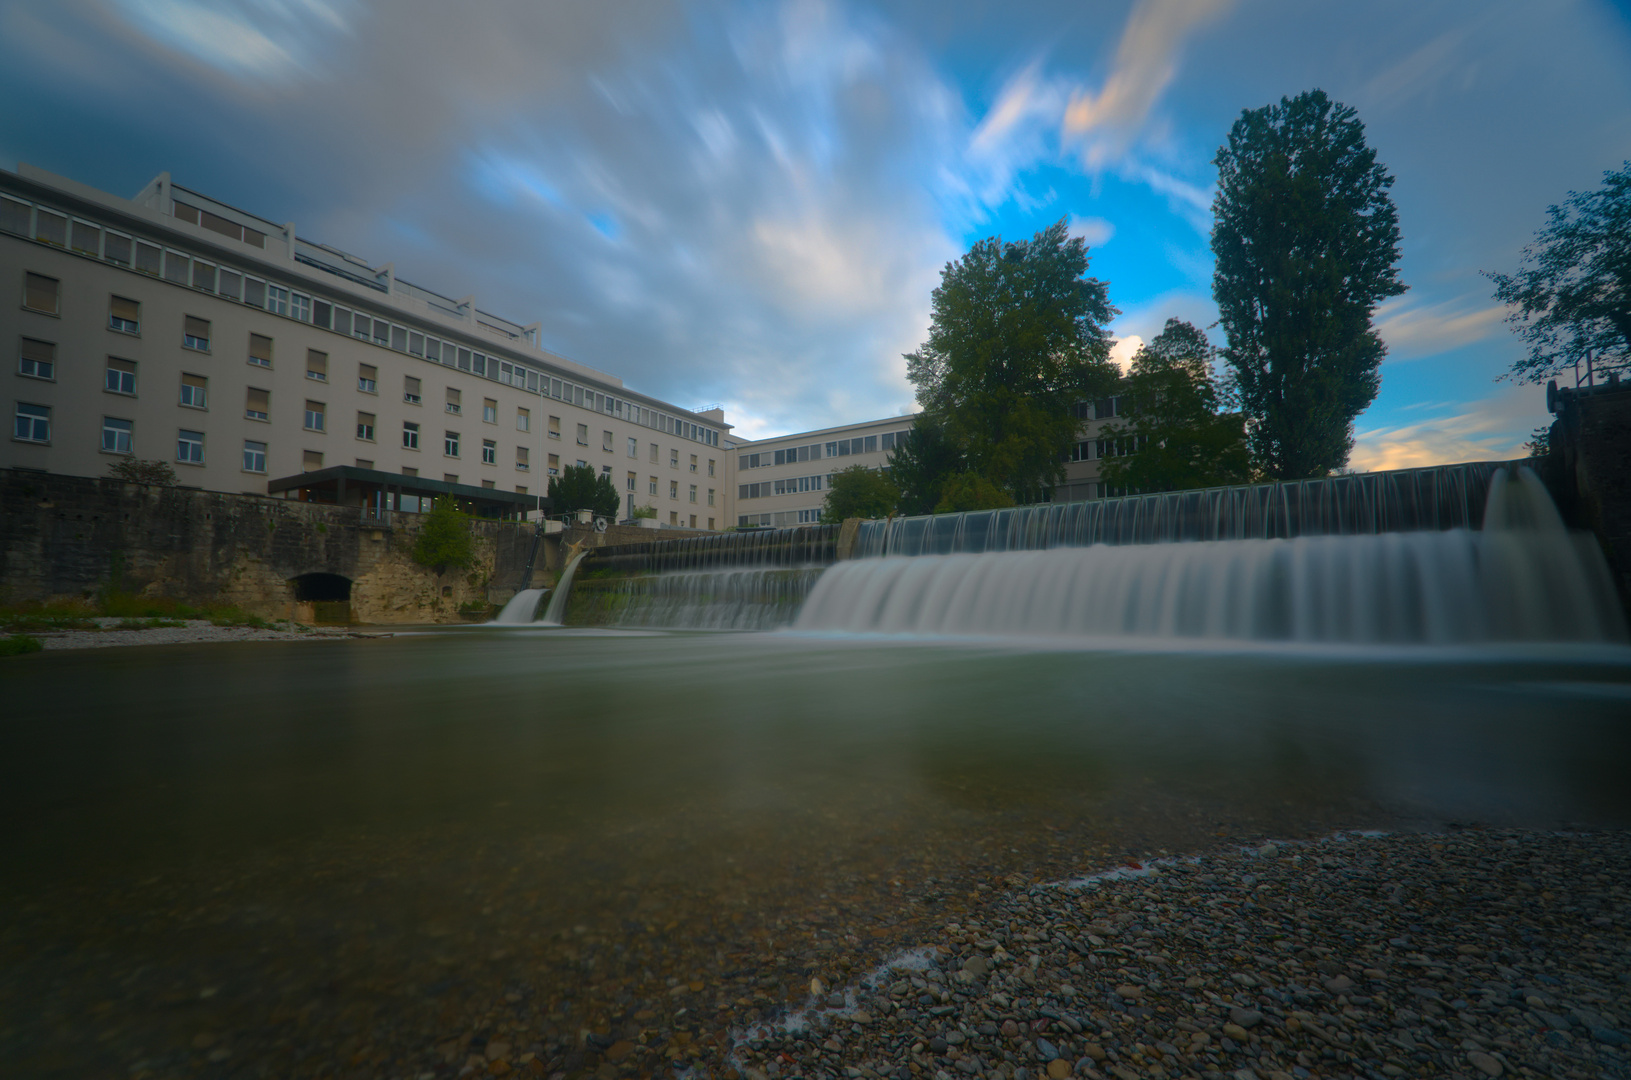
x=1475, y=954
x=111, y=633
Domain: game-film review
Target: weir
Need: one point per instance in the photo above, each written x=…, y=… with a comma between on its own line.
x=1451, y=555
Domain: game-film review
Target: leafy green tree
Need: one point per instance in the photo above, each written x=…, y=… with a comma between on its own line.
x=1172, y=410
x=859, y=492
x=444, y=537
x=1016, y=339
x=134, y=471
x=1573, y=293
x=1306, y=240
x=921, y=464
x=578, y=488
x=970, y=491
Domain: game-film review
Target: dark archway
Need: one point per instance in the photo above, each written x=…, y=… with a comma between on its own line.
x=321, y=587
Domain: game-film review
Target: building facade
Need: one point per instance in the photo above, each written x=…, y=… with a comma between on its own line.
x=174, y=327
x=783, y=481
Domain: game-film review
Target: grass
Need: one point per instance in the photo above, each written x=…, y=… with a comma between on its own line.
x=134, y=612
x=19, y=644
x=149, y=624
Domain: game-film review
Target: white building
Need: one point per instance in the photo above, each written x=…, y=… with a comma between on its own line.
x=172, y=326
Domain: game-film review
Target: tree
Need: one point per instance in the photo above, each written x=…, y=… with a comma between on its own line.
x=1171, y=409
x=921, y=463
x=444, y=537
x=578, y=488
x=1573, y=293
x=134, y=471
x=1016, y=338
x=859, y=492
x=1306, y=241
x=970, y=491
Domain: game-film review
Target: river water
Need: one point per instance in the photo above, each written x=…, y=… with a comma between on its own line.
x=261, y=859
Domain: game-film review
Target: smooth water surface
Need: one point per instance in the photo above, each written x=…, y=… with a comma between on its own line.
x=373, y=850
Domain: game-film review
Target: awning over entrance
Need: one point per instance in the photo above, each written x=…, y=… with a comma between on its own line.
x=381, y=493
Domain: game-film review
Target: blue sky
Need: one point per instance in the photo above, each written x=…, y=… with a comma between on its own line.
x=750, y=203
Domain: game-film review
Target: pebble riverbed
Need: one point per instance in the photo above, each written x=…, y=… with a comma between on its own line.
x=192, y=631
x=1474, y=953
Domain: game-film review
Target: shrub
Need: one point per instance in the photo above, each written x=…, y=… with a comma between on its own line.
x=645, y=512
x=18, y=644
x=444, y=538
x=135, y=471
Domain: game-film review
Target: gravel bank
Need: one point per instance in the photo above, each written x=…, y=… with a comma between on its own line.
x=1473, y=954
x=192, y=631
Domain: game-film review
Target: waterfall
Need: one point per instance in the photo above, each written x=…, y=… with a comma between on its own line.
x=743, y=598
x=521, y=609
x=1522, y=577
x=557, y=602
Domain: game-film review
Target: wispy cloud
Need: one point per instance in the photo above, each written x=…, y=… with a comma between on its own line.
x=1491, y=429
x=1096, y=231
x=257, y=40
x=1412, y=329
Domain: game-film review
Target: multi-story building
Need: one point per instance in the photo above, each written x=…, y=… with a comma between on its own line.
x=172, y=326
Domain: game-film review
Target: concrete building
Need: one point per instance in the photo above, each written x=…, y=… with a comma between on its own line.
x=172, y=326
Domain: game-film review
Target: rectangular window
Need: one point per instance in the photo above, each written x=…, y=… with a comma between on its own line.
x=489, y=452
x=631, y=482
x=710, y=466
x=399, y=338
x=254, y=456
x=121, y=377
x=888, y=438
x=673, y=489
x=455, y=401
x=362, y=326
x=433, y=349
x=116, y=249
x=673, y=459
x=190, y=447
x=14, y=216
x=203, y=276
x=367, y=378
x=410, y=435
x=710, y=501
x=606, y=442
x=310, y=460
x=365, y=463
x=176, y=266
x=300, y=307
x=583, y=434
x=316, y=416
x=260, y=350
x=365, y=426
x=258, y=404
x=342, y=321
x=124, y=315
x=148, y=258
x=195, y=333
x=87, y=238
x=653, y=485
x=693, y=463
x=489, y=411
x=634, y=447
x=654, y=457
x=832, y=449
x=554, y=464
x=317, y=365
x=33, y=423
x=382, y=332
x=693, y=494
x=322, y=313
x=117, y=437
x=40, y=293
x=554, y=427
x=194, y=391
x=523, y=461
x=410, y=390
x=416, y=344
x=51, y=228
x=277, y=300
x=450, y=444
x=872, y=444
x=37, y=359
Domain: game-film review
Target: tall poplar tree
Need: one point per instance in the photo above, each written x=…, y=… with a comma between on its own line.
x=1306, y=240
x=1017, y=338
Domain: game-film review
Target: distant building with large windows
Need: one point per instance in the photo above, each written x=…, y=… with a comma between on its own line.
x=172, y=326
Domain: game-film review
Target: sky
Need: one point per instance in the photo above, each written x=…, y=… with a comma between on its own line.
x=750, y=204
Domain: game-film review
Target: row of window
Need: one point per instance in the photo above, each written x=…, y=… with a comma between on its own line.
x=781, y=519
x=1092, y=449
x=88, y=238
x=1102, y=409
x=631, y=482
x=866, y=444
x=32, y=423
x=793, y=485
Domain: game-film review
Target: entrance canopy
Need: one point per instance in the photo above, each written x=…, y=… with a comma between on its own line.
x=381, y=493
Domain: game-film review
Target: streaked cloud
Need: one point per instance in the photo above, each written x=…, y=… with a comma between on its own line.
x=1489, y=429
x=1413, y=329
x=257, y=40
x=1095, y=231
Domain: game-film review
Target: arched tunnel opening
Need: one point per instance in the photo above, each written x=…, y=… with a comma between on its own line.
x=321, y=587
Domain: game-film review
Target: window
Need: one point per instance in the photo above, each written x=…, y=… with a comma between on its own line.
x=653, y=485
x=194, y=391
x=147, y=258
x=190, y=447
x=450, y=478
x=117, y=435
x=33, y=423
x=124, y=315
x=673, y=517
x=693, y=495
x=365, y=426
x=450, y=444
x=260, y=350
x=631, y=482
x=254, y=292
x=195, y=333
x=710, y=503
x=364, y=463
x=40, y=293
x=317, y=365
x=203, y=276
x=693, y=520
x=121, y=377
x=489, y=411
x=87, y=238
x=409, y=471
x=230, y=284
x=368, y=378
x=522, y=459
x=455, y=401
x=523, y=420
x=673, y=459
x=254, y=456
x=710, y=466
x=14, y=216
x=257, y=404
x=489, y=452
x=673, y=489
x=554, y=464
x=583, y=434
x=316, y=420
x=634, y=447
x=410, y=435
x=300, y=307
x=277, y=300
x=310, y=461
x=654, y=456
x=606, y=442
x=37, y=359
x=872, y=444
x=693, y=463
x=410, y=390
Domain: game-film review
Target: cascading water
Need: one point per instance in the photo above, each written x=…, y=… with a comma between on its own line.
x=1523, y=577
x=522, y=608
x=563, y=588
x=745, y=598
